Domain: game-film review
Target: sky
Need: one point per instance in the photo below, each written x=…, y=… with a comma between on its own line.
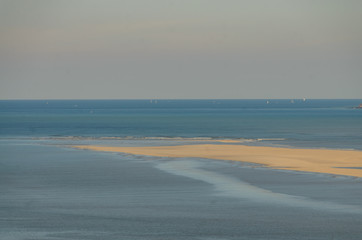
x=180, y=49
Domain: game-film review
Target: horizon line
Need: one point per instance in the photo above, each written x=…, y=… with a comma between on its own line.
x=108, y=99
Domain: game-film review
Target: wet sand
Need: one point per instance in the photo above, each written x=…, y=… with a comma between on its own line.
x=337, y=162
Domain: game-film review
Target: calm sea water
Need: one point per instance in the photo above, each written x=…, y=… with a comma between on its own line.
x=309, y=123
x=49, y=191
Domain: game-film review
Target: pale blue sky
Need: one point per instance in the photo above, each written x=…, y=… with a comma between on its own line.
x=180, y=49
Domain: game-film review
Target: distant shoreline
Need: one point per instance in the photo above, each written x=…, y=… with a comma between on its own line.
x=337, y=162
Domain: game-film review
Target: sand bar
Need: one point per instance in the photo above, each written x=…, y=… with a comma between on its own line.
x=339, y=162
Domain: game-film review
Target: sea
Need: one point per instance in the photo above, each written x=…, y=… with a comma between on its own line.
x=49, y=190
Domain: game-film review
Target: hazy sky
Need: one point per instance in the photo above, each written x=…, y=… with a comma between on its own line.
x=180, y=49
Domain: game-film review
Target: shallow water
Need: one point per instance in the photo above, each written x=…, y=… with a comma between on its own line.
x=54, y=192
x=51, y=191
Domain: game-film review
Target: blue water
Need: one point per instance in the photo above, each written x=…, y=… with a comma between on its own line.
x=310, y=123
x=49, y=191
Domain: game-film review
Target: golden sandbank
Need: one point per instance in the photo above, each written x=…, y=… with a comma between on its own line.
x=339, y=162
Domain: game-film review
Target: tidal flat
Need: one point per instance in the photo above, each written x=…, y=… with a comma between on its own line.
x=50, y=191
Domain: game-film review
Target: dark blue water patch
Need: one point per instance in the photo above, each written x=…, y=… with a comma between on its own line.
x=310, y=123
